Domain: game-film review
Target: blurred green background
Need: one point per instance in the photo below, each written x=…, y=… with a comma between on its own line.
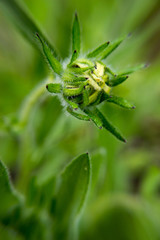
x=124, y=201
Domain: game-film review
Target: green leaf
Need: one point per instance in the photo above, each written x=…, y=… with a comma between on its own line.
x=24, y=22
x=53, y=62
x=79, y=70
x=54, y=87
x=150, y=184
x=120, y=101
x=74, y=56
x=116, y=81
x=70, y=92
x=69, y=77
x=40, y=194
x=8, y=196
x=98, y=157
x=73, y=105
x=73, y=188
x=76, y=39
x=78, y=115
x=98, y=50
x=111, y=48
x=108, y=70
x=108, y=126
x=94, y=117
x=132, y=70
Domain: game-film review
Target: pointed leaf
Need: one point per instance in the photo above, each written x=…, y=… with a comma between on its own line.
x=54, y=87
x=73, y=105
x=69, y=77
x=78, y=115
x=98, y=50
x=120, y=101
x=132, y=70
x=111, y=48
x=79, y=70
x=74, y=56
x=76, y=39
x=116, y=81
x=24, y=22
x=53, y=62
x=73, y=188
x=108, y=126
x=94, y=117
x=108, y=70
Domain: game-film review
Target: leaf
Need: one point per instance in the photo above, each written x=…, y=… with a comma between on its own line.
x=94, y=117
x=73, y=188
x=78, y=115
x=73, y=105
x=98, y=50
x=32, y=192
x=98, y=170
x=24, y=22
x=53, y=62
x=40, y=194
x=120, y=101
x=81, y=70
x=54, y=87
x=150, y=184
x=8, y=196
x=132, y=70
x=116, y=81
x=76, y=40
x=108, y=126
x=107, y=69
x=111, y=48
x=74, y=56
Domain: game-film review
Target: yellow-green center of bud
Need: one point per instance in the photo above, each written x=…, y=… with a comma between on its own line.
x=87, y=79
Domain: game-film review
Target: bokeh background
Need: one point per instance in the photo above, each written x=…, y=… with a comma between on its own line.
x=124, y=201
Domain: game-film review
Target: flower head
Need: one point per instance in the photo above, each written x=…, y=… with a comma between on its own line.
x=86, y=82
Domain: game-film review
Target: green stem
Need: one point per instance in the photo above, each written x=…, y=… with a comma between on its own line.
x=30, y=101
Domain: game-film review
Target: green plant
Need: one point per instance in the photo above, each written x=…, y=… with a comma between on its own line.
x=83, y=81
x=53, y=192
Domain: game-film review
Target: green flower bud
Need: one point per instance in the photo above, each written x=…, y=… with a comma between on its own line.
x=86, y=82
x=85, y=79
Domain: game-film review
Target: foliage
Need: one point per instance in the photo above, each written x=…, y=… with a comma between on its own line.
x=45, y=195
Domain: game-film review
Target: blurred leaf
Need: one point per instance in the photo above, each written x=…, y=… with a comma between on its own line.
x=131, y=218
x=40, y=194
x=24, y=22
x=9, y=234
x=151, y=183
x=98, y=170
x=71, y=195
x=8, y=195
